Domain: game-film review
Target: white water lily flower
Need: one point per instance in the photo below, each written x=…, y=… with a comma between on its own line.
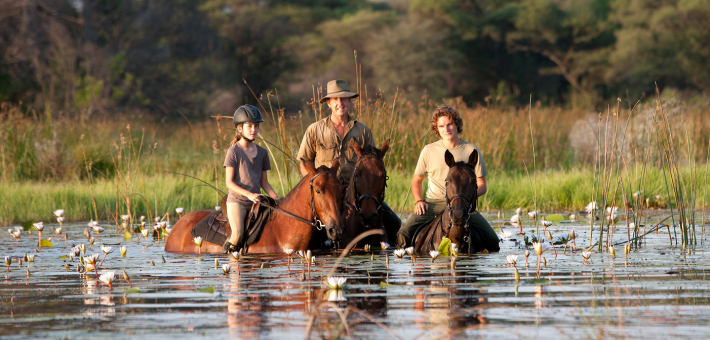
x=515, y=219
x=611, y=212
x=198, y=241
x=157, y=219
x=8, y=260
x=527, y=253
x=434, y=254
x=512, y=259
x=123, y=251
x=505, y=235
x=384, y=245
x=39, y=226
x=334, y=295
x=106, y=249
x=454, y=249
x=586, y=255
x=108, y=278
x=226, y=268
x=572, y=235
x=235, y=255
x=15, y=233
x=313, y=260
x=591, y=207
x=518, y=211
x=144, y=232
x=74, y=251
x=410, y=251
x=572, y=217
x=179, y=210
x=91, y=259
x=142, y=218
x=547, y=223
x=289, y=252
x=301, y=254
x=82, y=248
x=92, y=224
x=58, y=230
x=366, y=248
x=168, y=230
x=540, y=247
x=31, y=258
x=97, y=229
x=399, y=253
x=88, y=267
x=218, y=208
x=59, y=212
x=532, y=214
x=125, y=217
x=335, y=282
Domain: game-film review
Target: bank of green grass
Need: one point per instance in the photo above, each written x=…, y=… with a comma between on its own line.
x=559, y=190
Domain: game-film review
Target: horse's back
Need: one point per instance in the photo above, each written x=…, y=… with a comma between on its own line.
x=180, y=239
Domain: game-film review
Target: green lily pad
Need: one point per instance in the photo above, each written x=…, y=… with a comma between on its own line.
x=538, y=281
x=483, y=283
x=555, y=217
x=385, y=284
x=445, y=246
x=132, y=290
x=63, y=257
x=27, y=225
x=206, y=290
x=46, y=243
x=127, y=236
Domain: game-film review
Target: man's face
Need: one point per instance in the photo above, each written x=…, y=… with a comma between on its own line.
x=339, y=106
x=447, y=128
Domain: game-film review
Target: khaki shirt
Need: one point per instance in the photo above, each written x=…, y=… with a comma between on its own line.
x=432, y=163
x=321, y=145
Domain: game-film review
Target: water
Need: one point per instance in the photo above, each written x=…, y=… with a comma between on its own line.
x=657, y=293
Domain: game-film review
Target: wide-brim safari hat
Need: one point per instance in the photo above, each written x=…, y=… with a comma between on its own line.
x=338, y=89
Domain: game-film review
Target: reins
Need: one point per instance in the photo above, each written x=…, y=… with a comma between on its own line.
x=353, y=184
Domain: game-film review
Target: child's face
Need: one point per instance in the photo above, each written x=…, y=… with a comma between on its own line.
x=250, y=130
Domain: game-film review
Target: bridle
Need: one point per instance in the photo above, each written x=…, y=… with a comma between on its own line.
x=470, y=202
x=318, y=223
x=358, y=200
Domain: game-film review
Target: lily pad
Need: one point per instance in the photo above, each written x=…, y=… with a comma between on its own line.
x=46, y=243
x=554, y=217
x=27, y=225
x=127, y=236
x=445, y=246
x=385, y=284
x=63, y=257
x=132, y=290
x=206, y=290
x=538, y=281
x=483, y=283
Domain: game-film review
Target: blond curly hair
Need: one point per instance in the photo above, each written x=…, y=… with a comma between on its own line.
x=446, y=110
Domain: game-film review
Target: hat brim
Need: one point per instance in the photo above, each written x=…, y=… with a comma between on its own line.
x=343, y=94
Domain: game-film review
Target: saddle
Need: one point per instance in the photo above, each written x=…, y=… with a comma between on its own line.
x=213, y=228
x=424, y=235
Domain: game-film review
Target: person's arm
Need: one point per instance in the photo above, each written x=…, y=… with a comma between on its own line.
x=307, y=150
x=236, y=188
x=267, y=186
x=420, y=207
x=482, y=187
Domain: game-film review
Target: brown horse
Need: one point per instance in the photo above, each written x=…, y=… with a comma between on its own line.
x=366, y=193
x=461, y=200
x=317, y=197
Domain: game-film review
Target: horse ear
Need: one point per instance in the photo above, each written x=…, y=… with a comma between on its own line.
x=449, y=158
x=473, y=158
x=335, y=165
x=307, y=167
x=357, y=148
x=384, y=148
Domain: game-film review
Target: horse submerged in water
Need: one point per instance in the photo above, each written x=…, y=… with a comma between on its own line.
x=317, y=197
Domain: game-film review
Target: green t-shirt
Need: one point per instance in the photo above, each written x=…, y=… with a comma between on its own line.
x=432, y=164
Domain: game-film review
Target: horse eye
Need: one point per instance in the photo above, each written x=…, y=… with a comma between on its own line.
x=318, y=192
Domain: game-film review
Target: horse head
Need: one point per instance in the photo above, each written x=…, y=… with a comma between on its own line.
x=325, y=197
x=461, y=195
x=366, y=191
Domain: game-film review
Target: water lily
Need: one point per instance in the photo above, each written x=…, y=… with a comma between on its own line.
x=515, y=220
x=218, y=208
x=335, y=295
x=573, y=236
x=366, y=248
x=532, y=214
x=123, y=251
x=611, y=213
x=335, y=282
x=58, y=230
x=142, y=218
x=586, y=255
x=313, y=260
x=198, y=242
x=505, y=235
x=434, y=254
x=97, y=229
x=591, y=207
x=512, y=259
x=82, y=248
x=61, y=220
x=39, y=226
x=454, y=249
x=59, y=212
x=108, y=278
x=518, y=211
x=92, y=223
x=547, y=223
x=91, y=260
x=125, y=217
x=156, y=219
x=145, y=232
x=179, y=211
x=91, y=242
x=16, y=234
x=527, y=254
x=226, y=268
x=612, y=252
x=384, y=245
x=410, y=251
x=540, y=247
x=106, y=250
x=573, y=217
x=31, y=258
x=399, y=253
x=8, y=261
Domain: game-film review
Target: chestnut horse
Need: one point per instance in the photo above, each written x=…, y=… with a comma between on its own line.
x=317, y=197
x=366, y=193
x=461, y=200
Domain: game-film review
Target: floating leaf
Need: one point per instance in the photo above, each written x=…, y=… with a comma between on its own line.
x=132, y=290
x=445, y=246
x=127, y=236
x=63, y=257
x=206, y=290
x=483, y=283
x=555, y=217
x=46, y=243
x=27, y=225
x=385, y=284
x=538, y=281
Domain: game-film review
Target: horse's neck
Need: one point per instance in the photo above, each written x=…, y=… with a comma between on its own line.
x=298, y=202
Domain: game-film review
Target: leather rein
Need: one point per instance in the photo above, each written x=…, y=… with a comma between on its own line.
x=359, y=199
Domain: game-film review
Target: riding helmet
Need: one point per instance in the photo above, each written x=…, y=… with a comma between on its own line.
x=247, y=114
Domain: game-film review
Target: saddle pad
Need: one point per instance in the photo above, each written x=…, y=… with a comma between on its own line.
x=205, y=229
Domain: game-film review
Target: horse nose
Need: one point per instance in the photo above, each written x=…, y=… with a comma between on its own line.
x=369, y=219
x=457, y=216
x=334, y=233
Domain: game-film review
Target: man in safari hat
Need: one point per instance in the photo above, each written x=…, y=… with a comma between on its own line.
x=332, y=137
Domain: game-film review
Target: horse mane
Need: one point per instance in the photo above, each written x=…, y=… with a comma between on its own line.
x=320, y=169
x=350, y=191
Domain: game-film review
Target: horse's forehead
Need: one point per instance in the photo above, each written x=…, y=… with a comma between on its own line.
x=458, y=173
x=372, y=164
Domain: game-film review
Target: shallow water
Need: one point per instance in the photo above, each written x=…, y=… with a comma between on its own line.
x=657, y=293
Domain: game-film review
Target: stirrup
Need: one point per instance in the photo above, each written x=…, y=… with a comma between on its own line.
x=229, y=248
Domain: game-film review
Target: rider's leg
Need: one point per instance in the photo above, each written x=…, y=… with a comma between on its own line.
x=481, y=229
x=391, y=222
x=414, y=221
x=236, y=212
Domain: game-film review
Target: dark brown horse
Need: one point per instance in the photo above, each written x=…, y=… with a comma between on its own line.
x=317, y=197
x=461, y=200
x=366, y=194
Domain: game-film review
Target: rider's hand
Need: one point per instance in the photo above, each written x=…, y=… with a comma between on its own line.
x=420, y=207
x=254, y=197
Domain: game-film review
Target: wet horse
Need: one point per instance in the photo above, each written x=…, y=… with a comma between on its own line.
x=366, y=194
x=461, y=201
x=317, y=198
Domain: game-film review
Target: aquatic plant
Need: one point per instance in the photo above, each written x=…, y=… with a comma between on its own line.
x=505, y=235
x=198, y=242
x=366, y=248
x=586, y=255
x=123, y=251
x=108, y=278
x=434, y=254
x=39, y=226
x=8, y=261
x=512, y=260
x=454, y=249
x=540, y=247
x=335, y=282
x=31, y=258
x=527, y=253
x=179, y=211
x=384, y=245
x=399, y=253
x=106, y=250
x=226, y=268
x=410, y=251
